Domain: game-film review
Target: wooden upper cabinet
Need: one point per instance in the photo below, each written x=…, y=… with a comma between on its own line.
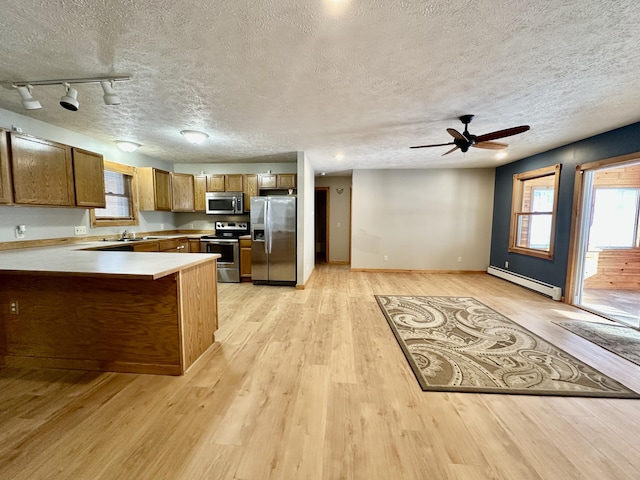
x=267, y=180
x=215, y=183
x=224, y=183
x=88, y=178
x=286, y=180
x=6, y=194
x=42, y=171
x=250, y=189
x=155, y=189
x=272, y=181
x=233, y=183
x=182, y=191
x=199, y=189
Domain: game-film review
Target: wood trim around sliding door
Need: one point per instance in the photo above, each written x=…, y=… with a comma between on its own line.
x=576, y=214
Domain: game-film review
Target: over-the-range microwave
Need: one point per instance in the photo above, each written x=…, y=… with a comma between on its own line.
x=224, y=203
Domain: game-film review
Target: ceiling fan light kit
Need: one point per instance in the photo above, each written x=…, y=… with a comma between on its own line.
x=70, y=99
x=466, y=140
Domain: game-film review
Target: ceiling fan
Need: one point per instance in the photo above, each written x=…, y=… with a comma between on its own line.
x=465, y=140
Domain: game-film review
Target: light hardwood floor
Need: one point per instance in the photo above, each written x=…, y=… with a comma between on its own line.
x=311, y=384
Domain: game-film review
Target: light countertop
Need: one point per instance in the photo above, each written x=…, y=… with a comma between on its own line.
x=75, y=260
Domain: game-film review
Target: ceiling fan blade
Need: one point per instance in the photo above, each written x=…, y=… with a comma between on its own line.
x=456, y=134
x=490, y=145
x=434, y=145
x=501, y=133
x=452, y=150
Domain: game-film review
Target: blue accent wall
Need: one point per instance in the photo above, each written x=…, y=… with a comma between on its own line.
x=621, y=141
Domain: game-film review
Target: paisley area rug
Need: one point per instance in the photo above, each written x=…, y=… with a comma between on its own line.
x=621, y=340
x=457, y=344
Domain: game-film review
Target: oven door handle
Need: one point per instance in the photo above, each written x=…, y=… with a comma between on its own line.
x=222, y=240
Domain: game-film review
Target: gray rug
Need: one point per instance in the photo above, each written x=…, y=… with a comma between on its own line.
x=621, y=340
x=457, y=344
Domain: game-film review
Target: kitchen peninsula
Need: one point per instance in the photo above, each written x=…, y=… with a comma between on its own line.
x=139, y=312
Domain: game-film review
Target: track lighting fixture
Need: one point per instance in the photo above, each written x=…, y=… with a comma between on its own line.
x=28, y=102
x=110, y=97
x=194, y=136
x=127, y=146
x=70, y=99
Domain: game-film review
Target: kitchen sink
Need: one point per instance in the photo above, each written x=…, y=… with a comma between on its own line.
x=130, y=239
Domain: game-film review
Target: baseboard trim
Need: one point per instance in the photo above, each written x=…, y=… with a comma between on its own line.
x=94, y=365
x=301, y=286
x=394, y=270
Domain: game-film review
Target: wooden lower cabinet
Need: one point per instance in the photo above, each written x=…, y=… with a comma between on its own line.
x=110, y=324
x=145, y=247
x=245, y=259
x=194, y=245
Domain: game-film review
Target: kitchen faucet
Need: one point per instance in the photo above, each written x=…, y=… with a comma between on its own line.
x=124, y=235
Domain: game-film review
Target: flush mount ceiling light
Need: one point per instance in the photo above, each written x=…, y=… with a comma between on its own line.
x=194, y=136
x=339, y=156
x=28, y=102
x=70, y=99
x=127, y=146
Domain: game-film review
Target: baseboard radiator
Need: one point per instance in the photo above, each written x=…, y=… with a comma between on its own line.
x=530, y=283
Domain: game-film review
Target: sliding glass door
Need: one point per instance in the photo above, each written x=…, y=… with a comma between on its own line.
x=607, y=247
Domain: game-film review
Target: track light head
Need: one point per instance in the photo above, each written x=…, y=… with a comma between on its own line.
x=28, y=102
x=110, y=97
x=70, y=99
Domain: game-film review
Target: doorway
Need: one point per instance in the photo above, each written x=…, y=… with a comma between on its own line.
x=322, y=224
x=604, y=275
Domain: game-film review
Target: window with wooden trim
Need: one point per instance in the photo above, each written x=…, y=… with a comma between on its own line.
x=121, y=194
x=533, y=212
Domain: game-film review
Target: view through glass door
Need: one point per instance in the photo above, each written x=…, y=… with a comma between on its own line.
x=608, y=248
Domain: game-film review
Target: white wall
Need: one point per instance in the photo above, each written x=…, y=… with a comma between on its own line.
x=339, y=211
x=306, y=215
x=422, y=219
x=45, y=223
x=231, y=168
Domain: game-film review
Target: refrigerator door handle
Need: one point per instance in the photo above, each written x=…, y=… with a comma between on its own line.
x=266, y=225
x=269, y=225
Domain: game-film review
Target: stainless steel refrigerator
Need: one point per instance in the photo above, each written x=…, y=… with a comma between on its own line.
x=273, y=240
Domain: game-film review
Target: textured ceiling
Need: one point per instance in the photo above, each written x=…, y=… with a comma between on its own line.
x=365, y=78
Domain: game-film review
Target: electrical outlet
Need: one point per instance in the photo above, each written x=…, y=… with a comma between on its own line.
x=21, y=231
x=80, y=230
x=191, y=226
x=13, y=308
x=162, y=226
x=459, y=259
x=506, y=264
x=385, y=258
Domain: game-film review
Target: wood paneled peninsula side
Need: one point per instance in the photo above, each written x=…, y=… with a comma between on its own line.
x=139, y=312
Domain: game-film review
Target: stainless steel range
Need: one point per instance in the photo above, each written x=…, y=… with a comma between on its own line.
x=226, y=243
